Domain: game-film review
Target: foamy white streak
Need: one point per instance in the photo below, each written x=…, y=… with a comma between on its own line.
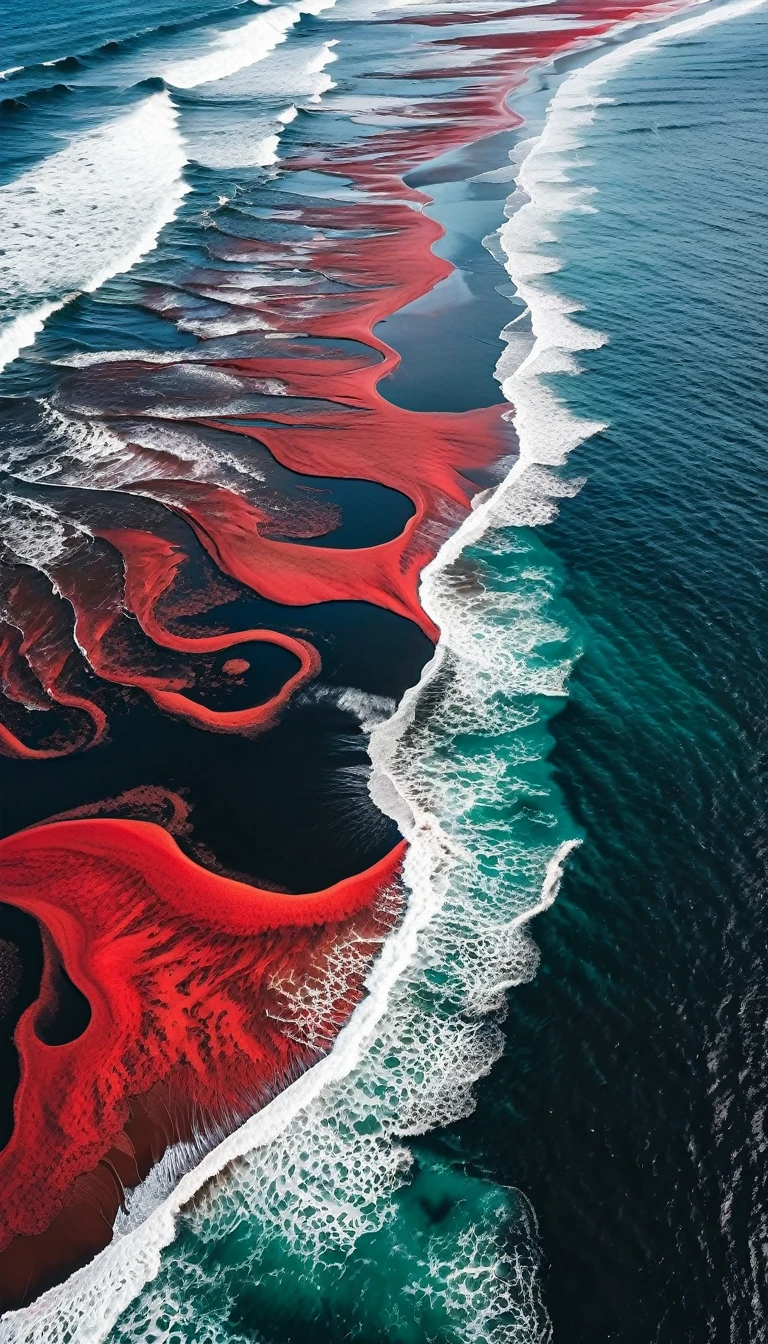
x=546, y=428
x=244, y=46
x=88, y=1305
x=87, y=213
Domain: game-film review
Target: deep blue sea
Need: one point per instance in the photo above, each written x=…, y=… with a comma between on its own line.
x=630, y=1103
x=589, y=746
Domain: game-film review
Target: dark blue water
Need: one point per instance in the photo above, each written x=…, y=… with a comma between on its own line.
x=630, y=1105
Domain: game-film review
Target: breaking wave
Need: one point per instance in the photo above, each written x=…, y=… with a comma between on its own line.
x=92, y=210
x=87, y=213
x=293, y=75
x=113, y=46
x=244, y=46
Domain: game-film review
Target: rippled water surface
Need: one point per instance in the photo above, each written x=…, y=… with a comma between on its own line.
x=630, y=1104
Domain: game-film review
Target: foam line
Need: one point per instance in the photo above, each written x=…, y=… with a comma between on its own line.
x=244, y=46
x=143, y=150
x=88, y=212
x=547, y=431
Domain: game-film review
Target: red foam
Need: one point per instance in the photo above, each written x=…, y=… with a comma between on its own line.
x=235, y=667
x=179, y=966
x=37, y=661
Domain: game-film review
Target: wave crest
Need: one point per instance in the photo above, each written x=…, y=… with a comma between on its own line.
x=87, y=213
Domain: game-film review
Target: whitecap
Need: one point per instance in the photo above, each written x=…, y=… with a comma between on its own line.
x=86, y=213
x=256, y=144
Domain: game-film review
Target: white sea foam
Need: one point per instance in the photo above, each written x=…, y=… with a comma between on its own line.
x=250, y=145
x=32, y=532
x=369, y=710
x=93, y=209
x=86, y=213
x=318, y=1166
x=235, y=324
x=244, y=46
x=85, y=359
x=255, y=144
x=89, y=455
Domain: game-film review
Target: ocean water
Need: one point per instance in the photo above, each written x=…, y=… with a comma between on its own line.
x=585, y=747
x=630, y=1102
